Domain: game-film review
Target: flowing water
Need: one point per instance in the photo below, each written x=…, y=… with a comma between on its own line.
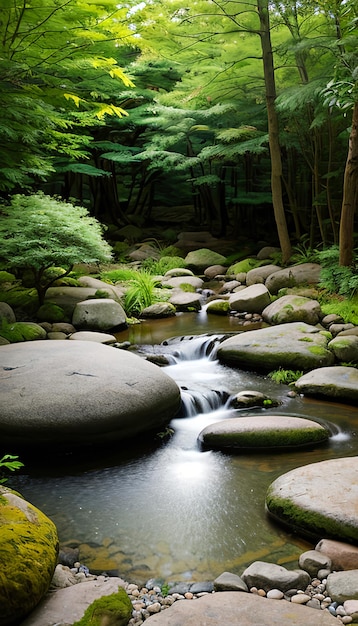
x=169, y=509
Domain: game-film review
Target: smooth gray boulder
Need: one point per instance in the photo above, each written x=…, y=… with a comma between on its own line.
x=177, y=281
x=113, y=291
x=342, y=586
x=294, y=346
x=87, y=335
x=67, y=297
x=259, y=274
x=338, y=381
x=239, y=609
x=158, y=310
x=263, y=432
x=66, y=606
x=292, y=309
x=264, y=575
x=252, y=299
x=298, y=500
x=312, y=561
x=186, y=301
x=303, y=274
x=103, y=314
x=80, y=392
x=229, y=582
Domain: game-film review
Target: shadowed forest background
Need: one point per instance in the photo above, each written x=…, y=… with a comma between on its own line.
x=235, y=117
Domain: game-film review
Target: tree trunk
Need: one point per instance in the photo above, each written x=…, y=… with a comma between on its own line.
x=273, y=130
x=350, y=195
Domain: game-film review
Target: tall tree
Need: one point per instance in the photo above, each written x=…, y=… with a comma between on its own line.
x=273, y=129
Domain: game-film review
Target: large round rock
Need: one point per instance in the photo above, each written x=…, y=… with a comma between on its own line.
x=79, y=392
x=318, y=500
x=28, y=555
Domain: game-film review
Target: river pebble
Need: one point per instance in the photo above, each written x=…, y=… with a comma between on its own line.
x=152, y=598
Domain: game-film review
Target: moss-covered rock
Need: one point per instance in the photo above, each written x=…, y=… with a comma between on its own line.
x=244, y=266
x=285, y=346
x=263, y=432
x=292, y=309
x=336, y=382
x=22, y=331
x=200, y=259
x=112, y=610
x=28, y=555
x=298, y=500
x=218, y=307
x=50, y=312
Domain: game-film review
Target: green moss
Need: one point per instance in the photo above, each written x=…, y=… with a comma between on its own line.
x=6, y=277
x=308, y=339
x=275, y=438
x=50, y=312
x=112, y=610
x=187, y=287
x=21, y=331
x=326, y=333
x=308, y=522
x=318, y=350
x=244, y=266
x=218, y=307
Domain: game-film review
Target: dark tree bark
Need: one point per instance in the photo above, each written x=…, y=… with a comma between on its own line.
x=350, y=195
x=273, y=130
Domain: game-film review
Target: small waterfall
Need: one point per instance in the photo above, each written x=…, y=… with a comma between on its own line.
x=194, y=402
x=193, y=348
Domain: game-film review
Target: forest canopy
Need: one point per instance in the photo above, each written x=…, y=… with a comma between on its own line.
x=249, y=108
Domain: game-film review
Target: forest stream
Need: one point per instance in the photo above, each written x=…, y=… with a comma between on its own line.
x=168, y=509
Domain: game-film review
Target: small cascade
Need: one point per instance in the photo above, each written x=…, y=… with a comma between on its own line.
x=194, y=402
x=192, y=348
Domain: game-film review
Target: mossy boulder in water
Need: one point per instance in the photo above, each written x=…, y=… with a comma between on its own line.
x=263, y=432
x=112, y=610
x=292, y=346
x=28, y=555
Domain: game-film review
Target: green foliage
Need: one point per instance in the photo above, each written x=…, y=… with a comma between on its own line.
x=339, y=279
x=286, y=377
x=346, y=309
x=6, y=277
x=163, y=265
x=141, y=293
x=39, y=232
x=303, y=252
x=9, y=463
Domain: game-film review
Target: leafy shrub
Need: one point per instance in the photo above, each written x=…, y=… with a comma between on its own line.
x=286, y=377
x=38, y=232
x=337, y=278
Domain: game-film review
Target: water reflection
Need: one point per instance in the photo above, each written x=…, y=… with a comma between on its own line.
x=171, y=510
